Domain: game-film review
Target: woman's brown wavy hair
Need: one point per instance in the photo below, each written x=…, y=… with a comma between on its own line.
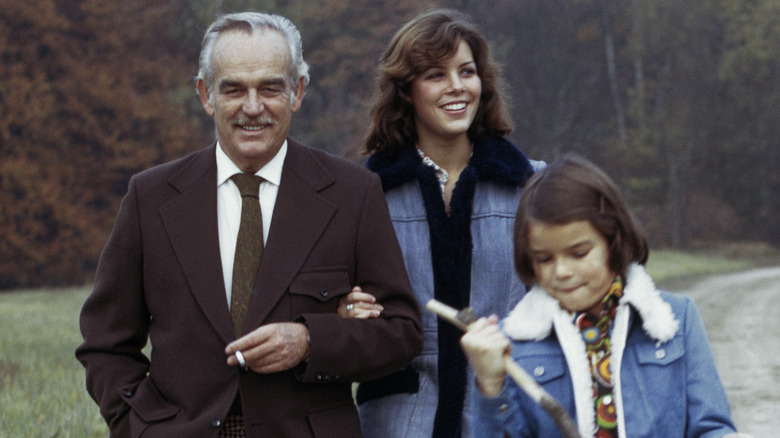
x=424, y=42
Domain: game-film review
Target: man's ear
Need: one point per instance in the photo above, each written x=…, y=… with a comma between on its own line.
x=203, y=92
x=300, y=88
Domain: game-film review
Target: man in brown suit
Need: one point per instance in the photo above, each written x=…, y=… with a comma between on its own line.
x=166, y=272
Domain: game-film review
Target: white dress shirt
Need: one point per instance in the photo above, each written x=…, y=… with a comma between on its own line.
x=229, y=206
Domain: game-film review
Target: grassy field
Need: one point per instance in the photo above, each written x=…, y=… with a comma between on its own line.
x=675, y=269
x=42, y=385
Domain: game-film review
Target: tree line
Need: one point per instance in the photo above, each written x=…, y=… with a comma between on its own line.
x=679, y=101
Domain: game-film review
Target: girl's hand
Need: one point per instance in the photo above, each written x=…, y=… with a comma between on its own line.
x=358, y=304
x=485, y=347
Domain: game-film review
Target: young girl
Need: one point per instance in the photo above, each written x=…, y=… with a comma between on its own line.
x=623, y=358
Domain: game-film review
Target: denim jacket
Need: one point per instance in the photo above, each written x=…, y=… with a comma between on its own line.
x=406, y=404
x=666, y=384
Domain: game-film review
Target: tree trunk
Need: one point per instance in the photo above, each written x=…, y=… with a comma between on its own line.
x=609, y=47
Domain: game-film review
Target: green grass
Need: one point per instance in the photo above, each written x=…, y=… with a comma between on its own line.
x=673, y=268
x=41, y=383
x=669, y=265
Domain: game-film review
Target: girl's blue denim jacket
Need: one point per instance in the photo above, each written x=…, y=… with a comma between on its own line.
x=667, y=385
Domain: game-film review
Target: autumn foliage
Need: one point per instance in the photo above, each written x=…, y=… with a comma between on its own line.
x=85, y=101
x=678, y=101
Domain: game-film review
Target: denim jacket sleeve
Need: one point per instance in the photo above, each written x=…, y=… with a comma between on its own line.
x=513, y=413
x=709, y=413
x=673, y=387
x=493, y=416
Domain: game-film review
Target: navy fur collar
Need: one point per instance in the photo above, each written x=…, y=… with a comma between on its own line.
x=497, y=160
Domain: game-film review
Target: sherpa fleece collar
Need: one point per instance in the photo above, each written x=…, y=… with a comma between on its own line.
x=532, y=318
x=537, y=313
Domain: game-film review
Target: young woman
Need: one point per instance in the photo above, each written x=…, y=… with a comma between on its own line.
x=623, y=358
x=452, y=183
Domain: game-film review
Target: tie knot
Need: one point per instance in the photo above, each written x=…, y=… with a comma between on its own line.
x=248, y=183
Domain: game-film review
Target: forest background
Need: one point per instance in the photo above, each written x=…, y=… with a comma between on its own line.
x=678, y=101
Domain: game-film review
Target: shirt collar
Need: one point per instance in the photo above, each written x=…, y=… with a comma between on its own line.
x=441, y=175
x=271, y=172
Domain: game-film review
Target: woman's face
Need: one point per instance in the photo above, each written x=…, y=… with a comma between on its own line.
x=446, y=97
x=571, y=263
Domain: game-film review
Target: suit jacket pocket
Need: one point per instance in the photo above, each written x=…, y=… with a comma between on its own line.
x=318, y=290
x=147, y=402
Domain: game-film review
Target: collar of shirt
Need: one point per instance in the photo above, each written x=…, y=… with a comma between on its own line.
x=229, y=206
x=441, y=174
x=271, y=172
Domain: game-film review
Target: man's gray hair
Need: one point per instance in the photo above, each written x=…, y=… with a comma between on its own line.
x=249, y=22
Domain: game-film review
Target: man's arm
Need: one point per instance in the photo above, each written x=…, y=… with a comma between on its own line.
x=114, y=320
x=365, y=349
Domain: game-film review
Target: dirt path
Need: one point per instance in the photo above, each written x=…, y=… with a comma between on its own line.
x=742, y=314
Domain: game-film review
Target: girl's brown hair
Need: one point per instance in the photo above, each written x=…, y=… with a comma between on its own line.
x=574, y=189
x=424, y=42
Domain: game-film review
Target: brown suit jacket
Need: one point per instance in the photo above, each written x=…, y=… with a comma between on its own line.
x=160, y=278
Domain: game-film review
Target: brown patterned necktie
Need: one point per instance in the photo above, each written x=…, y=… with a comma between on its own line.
x=249, y=248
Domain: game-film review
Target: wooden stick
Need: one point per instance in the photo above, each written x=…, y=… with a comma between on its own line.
x=463, y=320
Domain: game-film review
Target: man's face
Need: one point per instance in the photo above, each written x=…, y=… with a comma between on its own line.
x=251, y=98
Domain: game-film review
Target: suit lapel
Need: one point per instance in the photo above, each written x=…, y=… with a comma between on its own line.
x=300, y=217
x=191, y=223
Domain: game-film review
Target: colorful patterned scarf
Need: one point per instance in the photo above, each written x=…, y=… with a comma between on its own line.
x=596, y=328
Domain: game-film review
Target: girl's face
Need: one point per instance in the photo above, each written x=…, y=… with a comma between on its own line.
x=571, y=263
x=446, y=97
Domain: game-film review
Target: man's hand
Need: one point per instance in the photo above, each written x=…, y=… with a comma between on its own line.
x=271, y=348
